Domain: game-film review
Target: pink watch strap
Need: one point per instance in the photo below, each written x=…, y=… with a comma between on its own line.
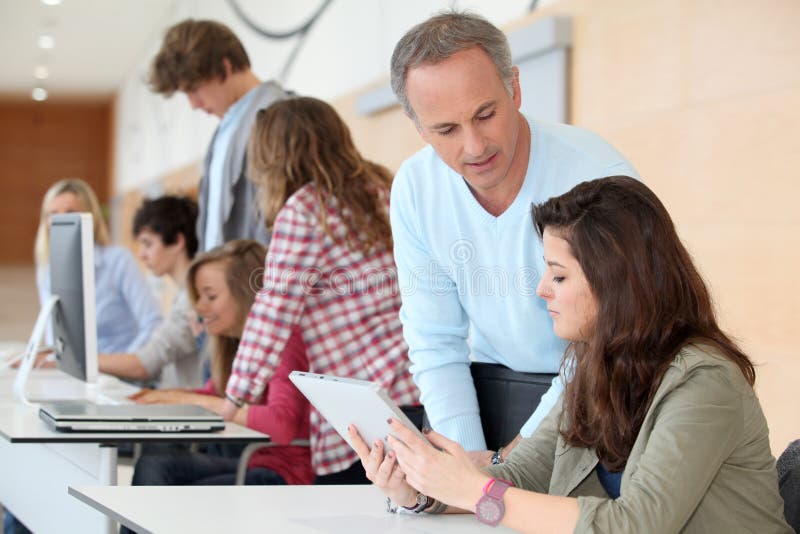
x=490, y=509
x=493, y=489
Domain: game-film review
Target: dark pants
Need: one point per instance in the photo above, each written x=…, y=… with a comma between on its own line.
x=506, y=399
x=355, y=473
x=12, y=525
x=196, y=469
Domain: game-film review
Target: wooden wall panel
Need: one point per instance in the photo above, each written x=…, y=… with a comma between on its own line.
x=41, y=143
x=388, y=137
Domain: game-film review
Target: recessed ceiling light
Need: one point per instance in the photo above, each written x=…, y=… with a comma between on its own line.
x=51, y=2
x=41, y=72
x=39, y=94
x=46, y=42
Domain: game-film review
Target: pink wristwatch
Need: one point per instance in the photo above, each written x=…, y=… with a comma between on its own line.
x=490, y=508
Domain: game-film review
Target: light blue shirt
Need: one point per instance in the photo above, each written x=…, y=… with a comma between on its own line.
x=222, y=143
x=127, y=312
x=468, y=279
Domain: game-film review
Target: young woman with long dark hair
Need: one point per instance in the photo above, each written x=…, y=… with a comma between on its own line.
x=658, y=430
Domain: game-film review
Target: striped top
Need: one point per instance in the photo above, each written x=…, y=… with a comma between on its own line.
x=345, y=303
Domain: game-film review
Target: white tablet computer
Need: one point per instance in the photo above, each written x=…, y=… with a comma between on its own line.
x=345, y=401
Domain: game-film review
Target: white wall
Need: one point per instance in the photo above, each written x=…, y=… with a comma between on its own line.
x=348, y=48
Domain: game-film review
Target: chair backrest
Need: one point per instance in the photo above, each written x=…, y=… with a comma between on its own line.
x=789, y=483
x=244, y=459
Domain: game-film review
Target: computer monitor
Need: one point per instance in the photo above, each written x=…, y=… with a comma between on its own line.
x=72, y=281
x=71, y=304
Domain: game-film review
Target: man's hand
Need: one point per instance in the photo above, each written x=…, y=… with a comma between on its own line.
x=484, y=458
x=508, y=448
x=480, y=458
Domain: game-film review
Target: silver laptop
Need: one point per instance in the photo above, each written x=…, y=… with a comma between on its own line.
x=81, y=416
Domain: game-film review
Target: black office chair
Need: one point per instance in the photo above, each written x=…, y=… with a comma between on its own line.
x=248, y=451
x=789, y=483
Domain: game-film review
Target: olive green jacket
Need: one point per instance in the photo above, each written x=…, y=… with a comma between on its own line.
x=701, y=461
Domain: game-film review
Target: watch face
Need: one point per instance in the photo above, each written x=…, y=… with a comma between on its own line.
x=489, y=510
x=420, y=505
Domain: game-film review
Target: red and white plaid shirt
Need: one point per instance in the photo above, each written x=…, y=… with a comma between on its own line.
x=345, y=303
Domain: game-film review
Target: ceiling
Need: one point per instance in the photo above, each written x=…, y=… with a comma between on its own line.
x=97, y=44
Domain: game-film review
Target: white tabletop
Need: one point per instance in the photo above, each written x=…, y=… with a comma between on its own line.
x=21, y=424
x=53, y=384
x=284, y=509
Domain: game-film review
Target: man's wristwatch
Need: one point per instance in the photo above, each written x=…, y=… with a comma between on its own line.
x=422, y=503
x=497, y=457
x=490, y=508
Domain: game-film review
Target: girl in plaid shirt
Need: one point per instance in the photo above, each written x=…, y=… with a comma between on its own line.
x=329, y=270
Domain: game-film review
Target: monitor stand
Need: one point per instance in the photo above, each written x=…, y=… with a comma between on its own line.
x=32, y=350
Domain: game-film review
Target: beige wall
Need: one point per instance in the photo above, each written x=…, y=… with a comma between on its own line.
x=704, y=98
x=182, y=181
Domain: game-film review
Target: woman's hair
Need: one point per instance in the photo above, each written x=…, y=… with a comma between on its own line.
x=303, y=140
x=169, y=216
x=651, y=302
x=88, y=203
x=243, y=261
x=193, y=52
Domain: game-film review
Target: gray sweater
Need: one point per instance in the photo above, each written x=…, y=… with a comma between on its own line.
x=240, y=215
x=171, y=350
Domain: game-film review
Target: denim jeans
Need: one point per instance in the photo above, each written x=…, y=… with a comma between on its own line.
x=353, y=475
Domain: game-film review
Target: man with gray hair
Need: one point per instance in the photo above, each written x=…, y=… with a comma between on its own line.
x=467, y=255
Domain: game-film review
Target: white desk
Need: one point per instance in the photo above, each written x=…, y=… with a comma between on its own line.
x=37, y=464
x=283, y=509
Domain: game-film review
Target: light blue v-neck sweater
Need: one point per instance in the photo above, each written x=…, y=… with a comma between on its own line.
x=468, y=279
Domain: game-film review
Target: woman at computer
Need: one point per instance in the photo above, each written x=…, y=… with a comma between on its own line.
x=658, y=430
x=329, y=272
x=165, y=230
x=126, y=309
x=222, y=285
x=127, y=312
